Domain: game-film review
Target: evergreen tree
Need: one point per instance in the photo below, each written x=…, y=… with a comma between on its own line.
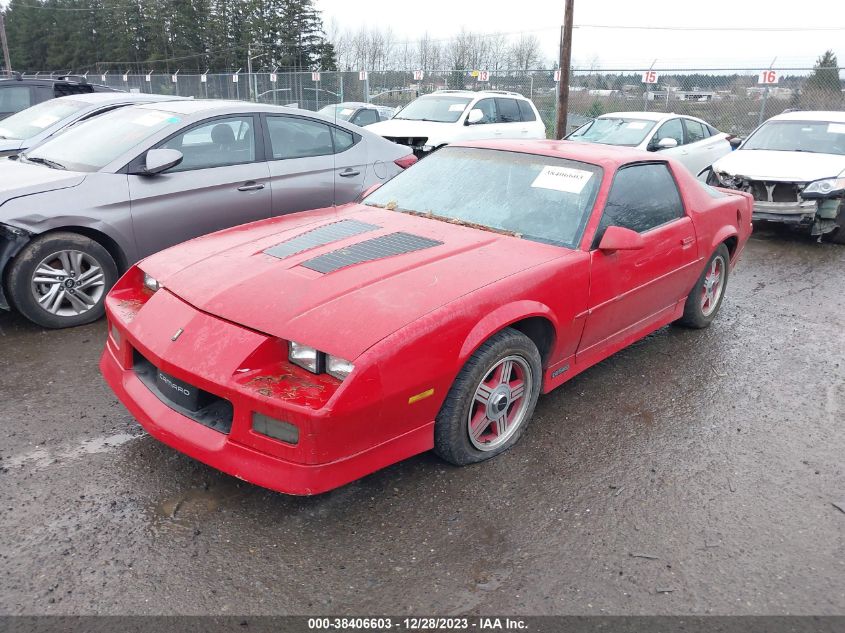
x=825, y=77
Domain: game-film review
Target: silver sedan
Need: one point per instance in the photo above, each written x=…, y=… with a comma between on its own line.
x=78, y=209
x=28, y=128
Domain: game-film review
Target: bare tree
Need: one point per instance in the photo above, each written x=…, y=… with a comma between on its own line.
x=525, y=52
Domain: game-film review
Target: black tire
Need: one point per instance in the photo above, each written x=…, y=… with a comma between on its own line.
x=838, y=235
x=22, y=272
x=695, y=314
x=452, y=440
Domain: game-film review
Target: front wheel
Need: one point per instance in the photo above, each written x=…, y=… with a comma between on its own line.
x=491, y=401
x=61, y=279
x=704, y=301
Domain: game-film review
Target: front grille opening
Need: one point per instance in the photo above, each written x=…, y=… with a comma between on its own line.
x=213, y=411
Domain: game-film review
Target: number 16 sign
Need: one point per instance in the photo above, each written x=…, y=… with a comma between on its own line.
x=768, y=77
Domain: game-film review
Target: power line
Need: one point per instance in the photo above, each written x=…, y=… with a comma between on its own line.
x=761, y=29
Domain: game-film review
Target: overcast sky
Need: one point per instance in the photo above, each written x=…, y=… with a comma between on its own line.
x=626, y=48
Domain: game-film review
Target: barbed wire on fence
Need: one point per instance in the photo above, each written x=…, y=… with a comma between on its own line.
x=732, y=100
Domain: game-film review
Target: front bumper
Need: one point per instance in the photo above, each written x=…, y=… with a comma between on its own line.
x=337, y=444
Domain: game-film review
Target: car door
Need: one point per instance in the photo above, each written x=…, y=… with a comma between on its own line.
x=531, y=127
x=703, y=148
x=222, y=181
x=486, y=127
x=301, y=163
x=671, y=128
x=351, y=162
x=631, y=289
x=509, y=123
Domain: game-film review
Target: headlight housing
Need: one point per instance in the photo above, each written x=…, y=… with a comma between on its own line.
x=151, y=283
x=317, y=362
x=825, y=188
x=338, y=367
x=306, y=357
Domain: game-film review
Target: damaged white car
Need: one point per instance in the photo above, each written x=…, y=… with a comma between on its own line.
x=794, y=166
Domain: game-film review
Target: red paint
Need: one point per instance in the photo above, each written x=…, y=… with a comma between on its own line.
x=408, y=323
x=406, y=161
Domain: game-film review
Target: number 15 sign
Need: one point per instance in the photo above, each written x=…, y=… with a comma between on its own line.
x=650, y=77
x=768, y=77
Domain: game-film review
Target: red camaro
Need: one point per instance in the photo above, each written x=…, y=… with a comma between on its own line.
x=302, y=352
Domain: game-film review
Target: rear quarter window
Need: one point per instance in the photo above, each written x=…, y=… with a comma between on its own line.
x=526, y=111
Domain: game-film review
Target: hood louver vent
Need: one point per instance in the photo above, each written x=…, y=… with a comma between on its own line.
x=369, y=250
x=320, y=236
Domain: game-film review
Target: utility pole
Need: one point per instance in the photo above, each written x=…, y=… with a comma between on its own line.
x=5, y=43
x=564, y=65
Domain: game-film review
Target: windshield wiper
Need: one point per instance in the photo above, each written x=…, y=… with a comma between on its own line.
x=44, y=161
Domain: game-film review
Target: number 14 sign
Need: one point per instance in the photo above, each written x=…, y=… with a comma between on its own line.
x=768, y=77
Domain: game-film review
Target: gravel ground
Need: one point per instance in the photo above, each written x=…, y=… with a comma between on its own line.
x=695, y=472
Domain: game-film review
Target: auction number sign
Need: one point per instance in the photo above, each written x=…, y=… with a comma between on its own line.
x=650, y=77
x=418, y=75
x=768, y=78
x=483, y=75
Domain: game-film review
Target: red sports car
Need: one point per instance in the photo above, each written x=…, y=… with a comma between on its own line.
x=302, y=352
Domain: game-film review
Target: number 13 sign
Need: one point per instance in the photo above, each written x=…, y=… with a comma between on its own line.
x=768, y=77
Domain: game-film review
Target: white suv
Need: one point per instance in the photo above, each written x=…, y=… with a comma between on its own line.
x=448, y=116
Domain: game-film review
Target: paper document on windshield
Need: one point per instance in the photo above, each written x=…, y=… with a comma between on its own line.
x=562, y=179
x=836, y=128
x=637, y=125
x=457, y=107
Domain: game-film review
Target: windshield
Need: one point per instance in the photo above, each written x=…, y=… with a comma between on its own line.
x=442, y=109
x=338, y=111
x=539, y=198
x=92, y=145
x=799, y=136
x=32, y=121
x=613, y=131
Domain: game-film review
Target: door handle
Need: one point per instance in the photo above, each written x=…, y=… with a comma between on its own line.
x=348, y=173
x=251, y=186
x=687, y=241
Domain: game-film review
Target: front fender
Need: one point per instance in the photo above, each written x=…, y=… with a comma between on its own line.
x=501, y=318
x=12, y=240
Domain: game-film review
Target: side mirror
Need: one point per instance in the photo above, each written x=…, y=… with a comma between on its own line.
x=735, y=142
x=369, y=190
x=667, y=143
x=159, y=160
x=475, y=115
x=617, y=238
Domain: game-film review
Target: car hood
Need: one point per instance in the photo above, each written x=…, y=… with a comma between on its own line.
x=19, y=179
x=402, y=127
x=344, y=312
x=757, y=164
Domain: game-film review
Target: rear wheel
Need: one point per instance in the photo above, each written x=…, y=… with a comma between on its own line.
x=61, y=280
x=491, y=401
x=704, y=301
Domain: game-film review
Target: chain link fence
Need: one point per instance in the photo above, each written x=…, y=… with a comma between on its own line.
x=734, y=101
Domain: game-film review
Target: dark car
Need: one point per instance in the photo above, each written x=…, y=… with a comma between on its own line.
x=20, y=92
